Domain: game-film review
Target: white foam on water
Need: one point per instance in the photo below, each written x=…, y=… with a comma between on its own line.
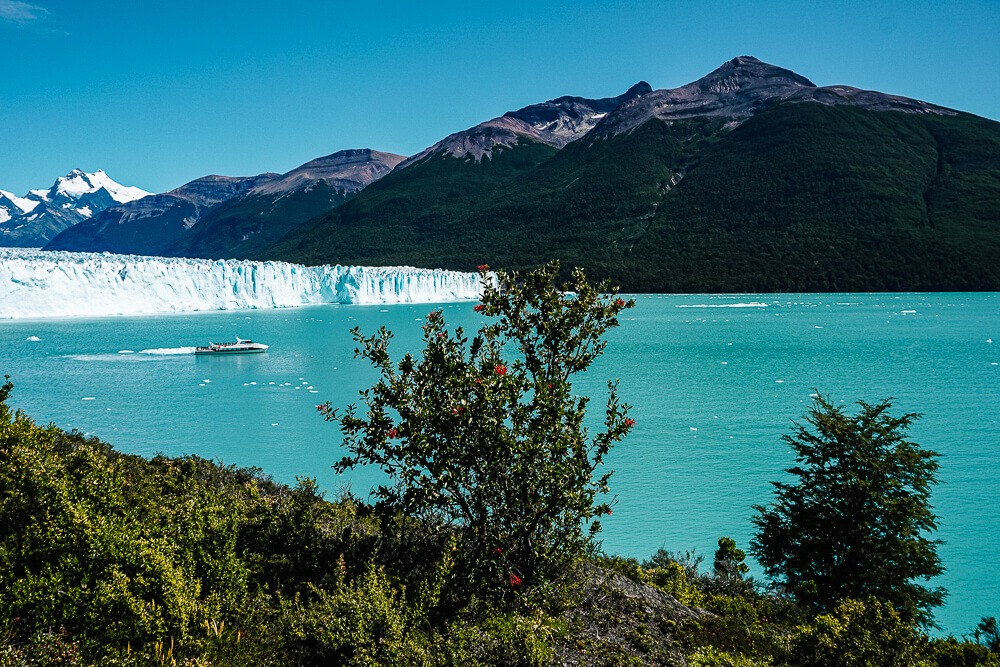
x=126, y=351
x=752, y=304
x=167, y=351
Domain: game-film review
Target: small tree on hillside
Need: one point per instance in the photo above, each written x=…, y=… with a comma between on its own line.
x=493, y=445
x=854, y=524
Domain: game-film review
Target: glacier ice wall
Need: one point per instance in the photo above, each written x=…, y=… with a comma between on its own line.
x=59, y=284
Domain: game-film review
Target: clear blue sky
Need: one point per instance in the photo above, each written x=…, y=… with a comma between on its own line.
x=159, y=93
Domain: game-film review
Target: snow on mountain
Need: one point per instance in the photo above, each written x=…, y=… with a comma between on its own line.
x=24, y=204
x=36, y=284
x=78, y=183
x=33, y=220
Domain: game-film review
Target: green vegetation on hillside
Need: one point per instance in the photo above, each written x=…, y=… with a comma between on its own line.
x=801, y=197
x=244, y=226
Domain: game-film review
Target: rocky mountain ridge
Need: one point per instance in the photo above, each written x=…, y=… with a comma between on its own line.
x=32, y=220
x=157, y=225
x=742, y=87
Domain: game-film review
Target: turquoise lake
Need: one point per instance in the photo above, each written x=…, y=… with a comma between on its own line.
x=714, y=381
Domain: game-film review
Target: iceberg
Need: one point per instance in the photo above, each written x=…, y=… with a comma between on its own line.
x=38, y=284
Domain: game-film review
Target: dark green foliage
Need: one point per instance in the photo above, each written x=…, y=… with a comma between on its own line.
x=244, y=226
x=853, y=524
x=729, y=560
x=988, y=634
x=801, y=197
x=491, y=449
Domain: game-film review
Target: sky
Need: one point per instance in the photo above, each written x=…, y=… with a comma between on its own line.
x=160, y=93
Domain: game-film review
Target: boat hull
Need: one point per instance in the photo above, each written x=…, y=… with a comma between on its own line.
x=227, y=352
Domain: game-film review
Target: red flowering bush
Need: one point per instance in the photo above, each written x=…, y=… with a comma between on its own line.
x=491, y=449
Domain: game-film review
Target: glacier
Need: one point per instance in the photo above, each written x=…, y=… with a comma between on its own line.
x=40, y=284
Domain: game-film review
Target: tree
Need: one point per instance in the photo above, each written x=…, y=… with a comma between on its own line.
x=854, y=525
x=492, y=448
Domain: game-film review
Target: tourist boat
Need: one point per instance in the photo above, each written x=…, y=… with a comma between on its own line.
x=239, y=347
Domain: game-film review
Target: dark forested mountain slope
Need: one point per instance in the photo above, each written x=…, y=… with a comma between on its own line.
x=774, y=185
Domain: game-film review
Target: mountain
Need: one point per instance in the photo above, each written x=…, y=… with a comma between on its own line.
x=149, y=225
x=749, y=179
x=32, y=220
x=221, y=216
x=252, y=222
x=553, y=123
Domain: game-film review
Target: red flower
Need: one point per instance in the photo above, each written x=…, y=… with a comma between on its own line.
x=479, y=308
x=393, y=433
x=620, y=303
x=498, y=550
x=483, y=267
x=630, y=423
x=441, y=335
x=515, y=580
x=501, y=370
x=609, y=511
x=478, y=381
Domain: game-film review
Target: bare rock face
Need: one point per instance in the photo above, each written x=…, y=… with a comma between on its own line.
x=739, y=89
x=211, y=190
x=554, y=123
x=350, y=170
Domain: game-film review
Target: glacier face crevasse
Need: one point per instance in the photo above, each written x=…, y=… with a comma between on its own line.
x=34, y=283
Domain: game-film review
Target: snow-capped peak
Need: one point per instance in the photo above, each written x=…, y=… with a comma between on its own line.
x=77, y=183
x=26, y=205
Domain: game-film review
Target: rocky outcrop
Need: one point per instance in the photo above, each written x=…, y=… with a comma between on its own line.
x=554, y=123
x=739, y=89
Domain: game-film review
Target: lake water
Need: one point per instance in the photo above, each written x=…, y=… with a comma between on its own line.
x=714, y=382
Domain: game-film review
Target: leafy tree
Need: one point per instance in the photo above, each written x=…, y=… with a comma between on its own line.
x=853, y=526
x=493, y=447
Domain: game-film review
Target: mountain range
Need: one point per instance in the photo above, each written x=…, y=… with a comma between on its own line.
x=31, y=221
x=222, y=216
x=751, y=178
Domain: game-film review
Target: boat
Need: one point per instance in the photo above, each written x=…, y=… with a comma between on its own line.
x=241, y=346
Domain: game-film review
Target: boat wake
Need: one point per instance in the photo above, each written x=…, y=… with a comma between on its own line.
x=167, y=351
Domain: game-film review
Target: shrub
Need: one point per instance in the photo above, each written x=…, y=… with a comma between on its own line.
x=491, y=446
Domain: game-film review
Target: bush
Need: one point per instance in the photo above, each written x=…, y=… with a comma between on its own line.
x=494, y=448
x=860, y=633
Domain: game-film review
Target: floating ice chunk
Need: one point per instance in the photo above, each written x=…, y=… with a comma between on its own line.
x=253, y=383
x=313, y=391
x=87, y=398
x=126, y=351
x=206, y=380
x=693, y=428
x=33, y=339
x=817, y=327
x=274, y=424
x=270, y=383
x=988, y=340
x=780, y=381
